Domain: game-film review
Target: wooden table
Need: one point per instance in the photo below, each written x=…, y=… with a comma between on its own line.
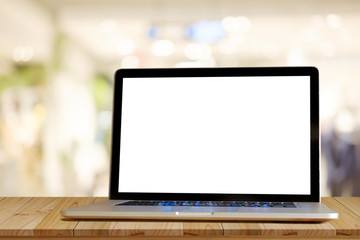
x=36, y=217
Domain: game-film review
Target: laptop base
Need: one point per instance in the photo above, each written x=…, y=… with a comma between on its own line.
x=108, y=209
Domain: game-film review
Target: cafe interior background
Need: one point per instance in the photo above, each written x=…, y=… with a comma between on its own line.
x=58, y=58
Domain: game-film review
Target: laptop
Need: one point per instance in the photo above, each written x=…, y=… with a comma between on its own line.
x=214, y=144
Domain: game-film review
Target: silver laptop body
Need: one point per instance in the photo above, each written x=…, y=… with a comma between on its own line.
x=214, y=144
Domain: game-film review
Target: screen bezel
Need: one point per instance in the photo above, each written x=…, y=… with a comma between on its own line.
x=312, y=72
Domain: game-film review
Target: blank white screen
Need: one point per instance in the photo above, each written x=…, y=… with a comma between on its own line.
x=238, y=135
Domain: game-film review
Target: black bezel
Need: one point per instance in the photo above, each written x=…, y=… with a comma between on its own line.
x=206, y=72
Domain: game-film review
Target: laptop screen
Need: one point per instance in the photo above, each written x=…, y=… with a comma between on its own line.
x=238, y=135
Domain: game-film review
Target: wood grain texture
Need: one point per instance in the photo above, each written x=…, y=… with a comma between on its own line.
x=54, y=225
x=143, y=228
x=241, y=229
x=177, y=238
x=23, y=222
x=10, y=206
x=93, y=227
x=352, y=203
x=41, y=218
x=278, y=229
x=348, y=223
x=324, y=229
x=126, y=228
x=203, y=229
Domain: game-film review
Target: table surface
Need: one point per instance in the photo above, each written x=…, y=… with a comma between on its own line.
x=39, y=217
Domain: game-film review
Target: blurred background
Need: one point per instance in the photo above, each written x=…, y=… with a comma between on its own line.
x=57, y=60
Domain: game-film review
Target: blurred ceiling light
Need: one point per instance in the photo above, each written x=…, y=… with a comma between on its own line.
x=130, y=62
x=206, y=31
x=162, y=48
x=23, y=53
x=125, y=47
x=333, y=21
x=210, y=62
x=327, y=49
x=345, y=121
x=295, y=57
x=188, y=64
x=18, y=54
x=236, y=24
x=108, y=26
x=154, y=32
x=197, y=51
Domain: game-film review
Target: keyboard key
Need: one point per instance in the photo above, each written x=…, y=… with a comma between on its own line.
x=210, y=204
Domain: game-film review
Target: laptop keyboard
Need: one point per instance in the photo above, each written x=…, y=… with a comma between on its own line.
x=209, y=204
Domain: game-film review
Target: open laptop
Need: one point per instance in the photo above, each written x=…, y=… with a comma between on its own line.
x=214, y=144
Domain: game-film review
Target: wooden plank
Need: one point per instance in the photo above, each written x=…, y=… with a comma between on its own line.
x=55, y=225
x=18, y=216
x=126, y=228
x=348, y=223
x=93, y=228
x=203, y=229
x=352, y=203
x=279, y=229
x=10, y=206
x=241, y=229
x=323, y=229
x=150, y=229
x=23, y=222
x=162, y=229
x=178, y=238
